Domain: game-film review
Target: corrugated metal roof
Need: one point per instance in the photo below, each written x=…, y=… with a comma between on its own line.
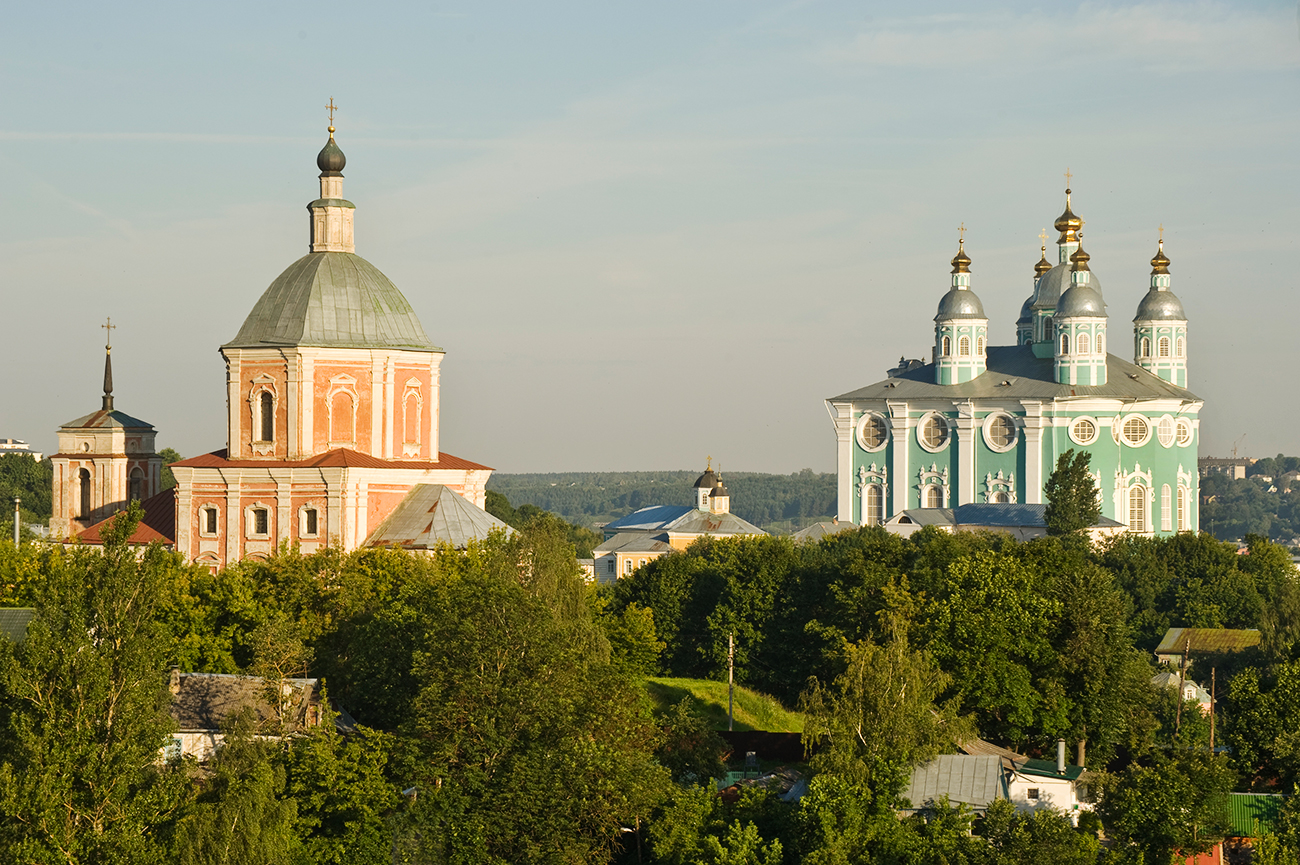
x=1207, y=640
x=1009, y=514
x=697, y=522
x=976, y=781
x=817, y=531
x=338, y=458
x=1047, y=769
x=1253, y=814
x=1028, y=377
x=433, y=514
x=923, y=517
x=334, y=299
x=13, y=622
x=982, y=748
x=647, y=518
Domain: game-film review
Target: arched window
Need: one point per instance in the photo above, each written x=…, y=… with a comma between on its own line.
x=83, y=481
x=979, y=346
x=1049, y=328
x=1065, y=343
x=1137, y=509
x=1178, y=347
x=1164, y=346
x=411, y=418
x=963, y=346
x=873, y=510
x=1166, y=509
x=947, y=347
x=266, y=416
x=1101, y=343
x=1146, y=347
x=1182, y=508
x=1082, y=346
x=999, y=498
x=135, y=485
x=342, y=426
x=933, y=497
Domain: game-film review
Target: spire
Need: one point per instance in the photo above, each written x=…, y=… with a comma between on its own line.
x=108, y=364
x=1160, y=264
x=1067, y=223
x=1080, y=260
x=331, y=215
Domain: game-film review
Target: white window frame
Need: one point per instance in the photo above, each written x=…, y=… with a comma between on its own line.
x=250, y=521
x=920, y=432
x=1147, y=425
x=1166, y=431
x=202, y=514
x=1074, y=432
x=861, y=428
x=1166, y=509
x=992, y=418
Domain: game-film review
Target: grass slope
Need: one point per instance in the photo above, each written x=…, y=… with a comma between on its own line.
x=753, y=711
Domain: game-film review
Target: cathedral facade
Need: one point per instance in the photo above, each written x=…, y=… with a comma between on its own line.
x=332, y=405
x=985, y=424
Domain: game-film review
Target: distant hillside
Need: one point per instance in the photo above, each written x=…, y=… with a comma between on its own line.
x=777, y=503
x=753, y=711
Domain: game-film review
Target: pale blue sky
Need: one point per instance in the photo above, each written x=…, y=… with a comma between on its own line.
x=643, y=232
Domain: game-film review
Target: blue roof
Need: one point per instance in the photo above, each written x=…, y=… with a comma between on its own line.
x=1008, y=515
x=648, y=519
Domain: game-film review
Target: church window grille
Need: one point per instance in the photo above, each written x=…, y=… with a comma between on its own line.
x=1184, y=433
x=266, y=416
x=1178, y=347
x=261, y=520
x=1182, y=508
x=1137, y=509
x=979, y=346
x=1165, y=431
x=872, y=432
x=947, y=347
x=1065, y=343
x=1135, y=431
x=83, y=479
x=1166, y=509
x=933, y=497
x=1083, y=346
x=1146, y=347
x=963, y=346
x=1163, y=346
x=1002, y=432
x=310, y=521
x=209, y=517
x=934, y=432
x=136, y=484
x=1083, y=431
x=875, y=502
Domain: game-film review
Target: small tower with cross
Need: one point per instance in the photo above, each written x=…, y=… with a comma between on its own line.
x=960, y=326
x=105, y=460
x=1160, y=326
x=331, y=214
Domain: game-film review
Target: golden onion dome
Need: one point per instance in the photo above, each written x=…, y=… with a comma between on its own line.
x=1080, y=259
x=1160, y=264
x=961, y=261
x=1043, y=264
x=1067, y=223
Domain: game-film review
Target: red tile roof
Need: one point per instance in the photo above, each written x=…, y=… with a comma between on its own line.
x=159, y=523
x=339, y=458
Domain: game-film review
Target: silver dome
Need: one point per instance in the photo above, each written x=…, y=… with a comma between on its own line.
x=1026, y=311
x=1054, y=283
x=960, y=303
x=1081, y=300
x=1160, y=306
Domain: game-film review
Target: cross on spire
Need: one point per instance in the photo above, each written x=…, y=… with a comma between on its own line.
x=1162, y=234
x=709, y=467
x=961, y=234
x=108, y=333
x=1042, y=235
x=1068, y=175
x=331, y=108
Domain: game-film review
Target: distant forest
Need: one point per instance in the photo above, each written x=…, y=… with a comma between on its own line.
x=776, y=503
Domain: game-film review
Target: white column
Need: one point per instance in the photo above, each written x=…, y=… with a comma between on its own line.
x=434, y=407
x=842, y=417
x=234, y=518
x=965, y=454
x=377, y=403
x=234, y=407
x=292, y=376
x=283, y=504
x=900, y=480
x=1033, y=452
x=307, y=398
x=390, y=406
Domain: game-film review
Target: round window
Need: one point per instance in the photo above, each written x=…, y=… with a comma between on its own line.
x=1165, y=431
x=1135, y=430
x=1184, y=433
x=872, y=432
x=934, y=432
x=1001, y=432
x=1083, y=431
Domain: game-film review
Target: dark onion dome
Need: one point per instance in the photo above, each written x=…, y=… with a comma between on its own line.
x=961, y=261
x=960, y=303
x=1079, y=260
x=708, y=480
x=1160, y=305
x=333, y=299
x=720, y=490
x=331, y=160
x=1160, y=264
x=1067, y=223
x=1054, y=283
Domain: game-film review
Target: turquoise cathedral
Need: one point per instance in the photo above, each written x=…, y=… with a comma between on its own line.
x=982, y=423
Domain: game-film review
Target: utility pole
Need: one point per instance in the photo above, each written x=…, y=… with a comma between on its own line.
x=17, y=520
x=1212, y=672
x=731, y=677
x=1182, y=675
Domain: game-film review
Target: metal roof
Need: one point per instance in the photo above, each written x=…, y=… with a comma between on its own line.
x=697, y=522
x=13, y=622
x=332, y=299
x=817, y=531
x=1253, y=814
x=1207, y=640
x=433, y=514
x=648, y=518
x=976, y=781
x=202, y=701
x=110, y=419
x=337, y=458
x=922, y=517
x=1047, y=769
x=1026, y=376
x=158, y=523
x=1050, y=286
x=632, y=542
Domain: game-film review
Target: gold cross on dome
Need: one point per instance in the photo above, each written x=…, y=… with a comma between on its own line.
x=108, y=331
x=1042, y=235
x=709, y=467
x=1162, y=232
x=1068, y=175
x=961, y=233
x=331, y=108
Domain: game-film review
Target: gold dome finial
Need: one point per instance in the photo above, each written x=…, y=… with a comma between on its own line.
x=331, y=108
x=1080, y=258
x=961, y=261
x=1067, y=223
x=1160, y=264
x=1043, y=264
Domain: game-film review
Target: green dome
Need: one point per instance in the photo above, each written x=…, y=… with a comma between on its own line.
x=334, y=300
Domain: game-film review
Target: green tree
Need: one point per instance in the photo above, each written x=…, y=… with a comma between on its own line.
x=633, y=645
x=1015, y=837
x=83, y=709
x=169, y=456
x=691, y=751
x=1071, y=492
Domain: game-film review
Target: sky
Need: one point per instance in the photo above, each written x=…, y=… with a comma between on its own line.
x=644, y=233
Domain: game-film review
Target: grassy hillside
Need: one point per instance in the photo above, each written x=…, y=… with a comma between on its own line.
x=753, y=711
x=776, y=503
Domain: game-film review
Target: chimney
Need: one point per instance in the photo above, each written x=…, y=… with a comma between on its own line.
x=174, y=680
x=1060, y=756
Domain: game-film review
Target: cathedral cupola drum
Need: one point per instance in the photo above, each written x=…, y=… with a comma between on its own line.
x=960, y=326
